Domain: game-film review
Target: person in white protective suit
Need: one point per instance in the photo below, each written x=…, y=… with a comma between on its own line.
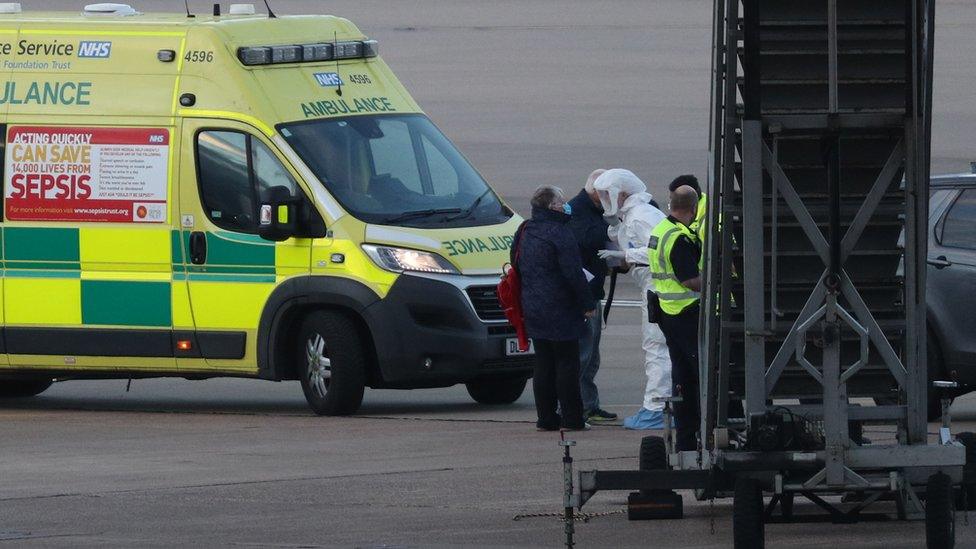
x=632, y=218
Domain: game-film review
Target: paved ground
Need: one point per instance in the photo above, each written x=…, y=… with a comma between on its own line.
x=534, y=91
x=242, y=463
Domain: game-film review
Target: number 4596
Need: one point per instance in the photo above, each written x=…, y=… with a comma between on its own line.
x=199, y=56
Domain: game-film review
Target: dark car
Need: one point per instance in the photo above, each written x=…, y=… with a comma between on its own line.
x=951, y=285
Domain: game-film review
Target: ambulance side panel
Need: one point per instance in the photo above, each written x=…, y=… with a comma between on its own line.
x=88, y=264
x=88, y=247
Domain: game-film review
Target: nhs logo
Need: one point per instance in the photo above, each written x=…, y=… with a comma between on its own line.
x=328, y=79
x=95, y=49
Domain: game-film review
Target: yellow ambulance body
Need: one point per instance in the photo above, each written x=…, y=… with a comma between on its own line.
x=239, y=196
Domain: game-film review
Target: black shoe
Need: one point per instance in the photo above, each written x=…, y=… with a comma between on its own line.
x=599, y=414
x=584, y=427
x=540, y=426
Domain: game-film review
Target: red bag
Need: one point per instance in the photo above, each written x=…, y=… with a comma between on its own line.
x=510, y=296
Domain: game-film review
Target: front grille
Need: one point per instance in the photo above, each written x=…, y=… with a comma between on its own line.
x=485, y=301
x=502, y=330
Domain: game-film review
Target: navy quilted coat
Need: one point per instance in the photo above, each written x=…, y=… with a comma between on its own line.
x=554, y=290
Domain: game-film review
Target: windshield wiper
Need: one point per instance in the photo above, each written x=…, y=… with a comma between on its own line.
x=472, y=208
x=421, y=213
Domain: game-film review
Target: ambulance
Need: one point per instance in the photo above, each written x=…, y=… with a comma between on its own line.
x=243, y=195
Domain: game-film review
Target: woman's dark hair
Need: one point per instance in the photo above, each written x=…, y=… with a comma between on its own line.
x=689, y=180
x=544, y=196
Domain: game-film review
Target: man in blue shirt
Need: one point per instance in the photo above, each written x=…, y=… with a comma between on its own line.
x=590, y=230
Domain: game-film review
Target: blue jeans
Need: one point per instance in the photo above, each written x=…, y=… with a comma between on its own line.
x=590, y=360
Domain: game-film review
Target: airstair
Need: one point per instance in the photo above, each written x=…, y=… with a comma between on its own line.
x=813, y=309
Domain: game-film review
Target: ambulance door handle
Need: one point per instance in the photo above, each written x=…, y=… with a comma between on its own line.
x=198, y=248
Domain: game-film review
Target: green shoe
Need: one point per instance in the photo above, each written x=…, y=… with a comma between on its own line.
x=598, y=414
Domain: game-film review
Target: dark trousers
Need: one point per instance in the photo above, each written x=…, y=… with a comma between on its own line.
x=556, y=382
x=681, y=331
x=590, y=360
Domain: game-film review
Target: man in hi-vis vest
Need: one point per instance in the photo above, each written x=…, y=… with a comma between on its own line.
x=698, y=225
x=674, y=253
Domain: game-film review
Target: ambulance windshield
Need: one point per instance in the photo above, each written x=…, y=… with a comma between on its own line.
x=395, y=170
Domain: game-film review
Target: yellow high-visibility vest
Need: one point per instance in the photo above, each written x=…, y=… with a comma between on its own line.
x=698, y=225
x=673, y=296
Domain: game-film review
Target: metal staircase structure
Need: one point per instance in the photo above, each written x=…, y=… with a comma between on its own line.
x=815, y=288
x=813, y=302
x=821, y=108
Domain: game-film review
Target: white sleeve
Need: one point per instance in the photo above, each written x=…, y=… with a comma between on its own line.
x=637, y=256
x=641, y=230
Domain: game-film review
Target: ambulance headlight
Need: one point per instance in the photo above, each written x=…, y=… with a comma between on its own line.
x=403, y=259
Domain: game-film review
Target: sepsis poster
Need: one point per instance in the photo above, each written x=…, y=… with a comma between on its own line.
x=114, y=175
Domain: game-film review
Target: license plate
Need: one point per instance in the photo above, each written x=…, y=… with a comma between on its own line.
x=511, y=347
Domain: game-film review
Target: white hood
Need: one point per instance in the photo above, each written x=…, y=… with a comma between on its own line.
x=635, y=200
x=614, y=182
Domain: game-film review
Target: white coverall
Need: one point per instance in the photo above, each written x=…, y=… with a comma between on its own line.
x=637, y=219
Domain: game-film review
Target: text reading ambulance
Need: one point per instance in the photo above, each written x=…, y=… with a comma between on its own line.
x=238, y=196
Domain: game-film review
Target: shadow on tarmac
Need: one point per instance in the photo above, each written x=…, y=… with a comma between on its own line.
x=452, y=411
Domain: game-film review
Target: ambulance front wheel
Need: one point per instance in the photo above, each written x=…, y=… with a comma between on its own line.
x=23, y=388
x=333, y=363
x=497, y=389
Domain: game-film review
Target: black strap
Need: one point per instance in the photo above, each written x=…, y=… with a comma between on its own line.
x=516, y=247
x=613, y=288
x=518, y=241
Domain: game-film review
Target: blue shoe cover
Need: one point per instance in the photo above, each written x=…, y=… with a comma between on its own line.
x=645, y=419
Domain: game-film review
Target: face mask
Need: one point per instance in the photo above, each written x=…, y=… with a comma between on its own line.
x=567, y=209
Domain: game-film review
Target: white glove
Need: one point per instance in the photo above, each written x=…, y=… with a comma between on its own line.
x=611, y=254
x=612, y=220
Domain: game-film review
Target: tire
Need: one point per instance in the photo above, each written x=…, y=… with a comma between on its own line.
x=966, y=494
x=653, y=454
x=940, y=519
x=333, y=363
x=496, y=390
x=748, y=528
x=23, y=388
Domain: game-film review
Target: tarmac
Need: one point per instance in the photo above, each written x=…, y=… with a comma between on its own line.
x=533, y=92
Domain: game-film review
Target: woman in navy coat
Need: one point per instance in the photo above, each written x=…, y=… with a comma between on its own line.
x=556, y=301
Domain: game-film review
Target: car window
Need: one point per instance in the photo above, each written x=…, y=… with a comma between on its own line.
x=938, y=197
x=959, y=227
x=225, y=180
x=236, y=171
x=443, y=176
x=381, y=167
x=388, y=159
x=268, y=171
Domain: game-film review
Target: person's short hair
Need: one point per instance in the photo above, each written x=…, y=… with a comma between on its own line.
x=591, y=179
x=544, y=196
x=684, y=199
x=689, y=180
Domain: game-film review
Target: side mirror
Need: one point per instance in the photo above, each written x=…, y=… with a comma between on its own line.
x=279, y=215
